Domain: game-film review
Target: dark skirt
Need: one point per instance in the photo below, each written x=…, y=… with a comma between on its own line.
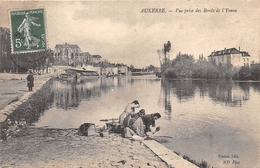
x=30, y=84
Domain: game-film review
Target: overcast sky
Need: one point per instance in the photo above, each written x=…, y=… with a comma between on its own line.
x=120, y=33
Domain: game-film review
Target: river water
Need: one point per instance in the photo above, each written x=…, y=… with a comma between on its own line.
x=215, y=121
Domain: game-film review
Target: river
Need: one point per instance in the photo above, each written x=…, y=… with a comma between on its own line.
x=215, y=121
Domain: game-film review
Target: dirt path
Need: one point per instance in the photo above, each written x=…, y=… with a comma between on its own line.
x=13, y=86
x=39, y=147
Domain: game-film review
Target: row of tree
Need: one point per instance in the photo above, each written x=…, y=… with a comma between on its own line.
x=150, y=68
x=21, y=62
x=17, y=63
x=185, y=66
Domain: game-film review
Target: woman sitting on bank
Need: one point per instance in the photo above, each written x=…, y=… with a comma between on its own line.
x=139, y=124
x=149, y=120
x=134, y=125
x=129, y=109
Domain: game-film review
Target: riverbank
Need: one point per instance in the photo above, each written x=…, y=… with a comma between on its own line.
x=208, y=79
x=24, y=145
x=42, y=147
x=20, y=107
x=14, y=86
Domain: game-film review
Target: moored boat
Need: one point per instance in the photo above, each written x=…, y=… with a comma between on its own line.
x=70, y=74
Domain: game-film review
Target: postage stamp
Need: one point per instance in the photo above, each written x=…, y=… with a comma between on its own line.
x=28, y=31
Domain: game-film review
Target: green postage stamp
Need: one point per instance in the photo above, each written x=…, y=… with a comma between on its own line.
x=28, y=31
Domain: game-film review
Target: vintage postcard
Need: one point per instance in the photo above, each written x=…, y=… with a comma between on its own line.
x=130, y=84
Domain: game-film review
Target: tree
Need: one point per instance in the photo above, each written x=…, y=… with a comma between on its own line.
x=183, y=65
x=255, y=72
x=5, y=50
x=170, y=73
x=200, y=67
x=131, y=67
x=244, y=73
x=150, y=68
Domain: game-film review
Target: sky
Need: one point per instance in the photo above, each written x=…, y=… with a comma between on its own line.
x=120, y=33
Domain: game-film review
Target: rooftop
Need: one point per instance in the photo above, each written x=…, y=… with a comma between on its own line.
x=228, y=51
x=85, y=54
x=96, y=56
x=66, y=45
x=244, y=54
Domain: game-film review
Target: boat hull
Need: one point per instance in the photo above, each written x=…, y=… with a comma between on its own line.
x=72, y=74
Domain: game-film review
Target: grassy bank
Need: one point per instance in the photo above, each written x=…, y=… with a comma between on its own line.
x=200, y=164
x=28, y=112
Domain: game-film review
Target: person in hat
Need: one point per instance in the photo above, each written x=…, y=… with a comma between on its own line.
x=30, y=80
x=129, y=109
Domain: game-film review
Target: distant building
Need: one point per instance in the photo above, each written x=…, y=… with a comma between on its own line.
x=70, y=54
x=122, y=69
x=96, y=58
x=231, y=56
x=66, y=54
x=85, y=57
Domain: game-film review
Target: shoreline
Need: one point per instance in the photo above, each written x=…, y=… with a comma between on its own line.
x=45, y=147
x=20, y=134
x=209, y=79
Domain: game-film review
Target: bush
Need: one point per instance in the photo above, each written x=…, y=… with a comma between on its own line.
x=255, y=72
x=169, y=73
x=244, y=73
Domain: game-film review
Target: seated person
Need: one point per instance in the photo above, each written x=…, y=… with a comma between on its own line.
x=134, y=125
x=129, y=109
x=149, y=120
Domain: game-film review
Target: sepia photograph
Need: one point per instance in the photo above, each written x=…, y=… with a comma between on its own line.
x=122, y=84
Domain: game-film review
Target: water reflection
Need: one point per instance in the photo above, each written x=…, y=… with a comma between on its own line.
x=70, y=93
x=215, y=117
x=202, y=118
x=256, y=86
x=228, y=92
x=33, y=108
